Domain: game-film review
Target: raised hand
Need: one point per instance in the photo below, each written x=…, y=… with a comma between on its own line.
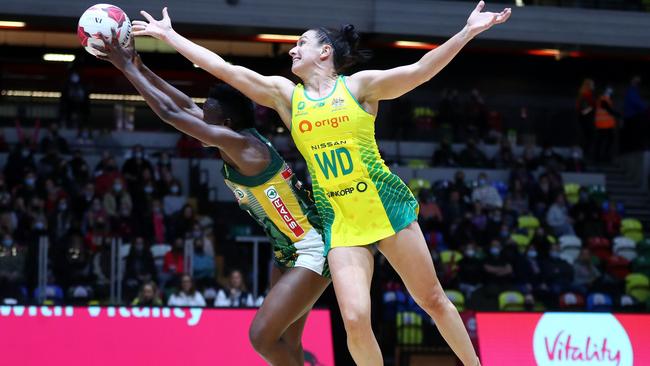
x=115, y=53
x=152, y=27
x=480, y=21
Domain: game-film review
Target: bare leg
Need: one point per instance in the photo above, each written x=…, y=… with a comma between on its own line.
x=351, y=269
x=407, y=252
x=288, y=301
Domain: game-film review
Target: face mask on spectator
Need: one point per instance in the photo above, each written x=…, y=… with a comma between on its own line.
x=24, y=153
x=7, y=242
x=148, y=189
x=117, y=187
x=30, y=182
x=504, y=233
x=174, y=189
x=39, y=225
x=63, y=206
x=532, y=254
x=495, y=251
x=470, y=253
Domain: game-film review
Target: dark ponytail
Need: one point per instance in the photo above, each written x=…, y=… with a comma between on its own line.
x=345, y=43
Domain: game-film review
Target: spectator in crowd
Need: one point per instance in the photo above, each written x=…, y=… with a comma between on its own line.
x=455, y=208
x=636, y=117
x=486, y=194
x=52, y=166
x=518, y=198
x=54, y=141
x=203, y=264
x=444, y=156
x=460, y=185
x=470, y=274
x=183, y=221
x=27, y=190
x=187, y=295
x=198, y=233
x=605, y=122
x=117, y=199
x=585, y=272
x=148, y=295
x=83, y=201
x=586, y=216
x=140, y=266
x=550, y=159
x=73, y=260
x=586, y=109
x=173, y=200
x=164, y=162
x=78, y=169
x=97, y=233
x=558, y=217
x=19, y=162
x=106, y=176
x=542, y=196
x=235, y=293
x=85, y=137
x=12, y=267
x=556, y=272
x=472, y=156
x=60, y=221
x=155, y=223
x=102, y=266
x=497, y=269
x=133, y=167
x=173, y=262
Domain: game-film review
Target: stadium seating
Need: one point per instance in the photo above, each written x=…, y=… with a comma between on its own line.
x=511, y=301
x=570, y=246
x=637, y=285
x=457, y=298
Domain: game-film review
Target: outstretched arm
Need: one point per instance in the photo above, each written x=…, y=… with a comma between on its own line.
x=270, y=91
x=181, y=99
x=127, y=61
x=373, y=85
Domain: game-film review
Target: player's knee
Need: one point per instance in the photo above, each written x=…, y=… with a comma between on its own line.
x=260, y=340
x=356, y=320
x=434, y=301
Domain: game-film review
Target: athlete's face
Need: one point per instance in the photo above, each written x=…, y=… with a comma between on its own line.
x=212, y=113
x=308, y=54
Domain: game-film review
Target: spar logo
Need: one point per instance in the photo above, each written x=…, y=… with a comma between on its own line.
x=239, y=194
x=563, y=339
x=334, y=122
x=281, y=208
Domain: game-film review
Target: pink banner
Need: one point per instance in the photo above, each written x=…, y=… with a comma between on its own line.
x=563, y=339
x=120, y=336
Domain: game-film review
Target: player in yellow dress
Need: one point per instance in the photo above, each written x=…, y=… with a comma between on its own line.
x=264, y=186
x=331, y=119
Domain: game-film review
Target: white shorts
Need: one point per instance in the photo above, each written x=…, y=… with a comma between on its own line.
x=311, y=251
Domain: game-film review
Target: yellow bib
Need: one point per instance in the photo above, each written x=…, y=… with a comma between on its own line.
x=359, y=200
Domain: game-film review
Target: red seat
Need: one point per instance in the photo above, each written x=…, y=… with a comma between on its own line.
x=572, y=301
x=618, y=267
x=600, y=247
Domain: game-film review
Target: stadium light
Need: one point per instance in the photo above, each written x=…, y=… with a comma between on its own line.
x=58, y=57
x=11, y=24
x=415, y=45
x=280, y=38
